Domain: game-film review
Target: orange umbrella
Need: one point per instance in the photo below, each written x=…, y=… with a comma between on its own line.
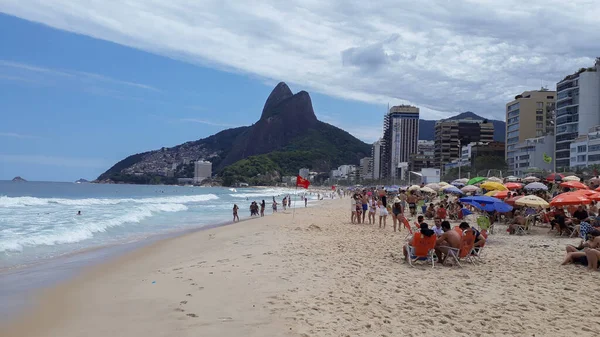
x=585, y=193
x=513, y=186
x=566, y=199
x=501, y=195
x=574, y=184
x=598, y=189
x=511, y=201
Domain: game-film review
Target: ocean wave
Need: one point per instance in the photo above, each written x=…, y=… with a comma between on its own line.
x=81, y=230
x=33, y=201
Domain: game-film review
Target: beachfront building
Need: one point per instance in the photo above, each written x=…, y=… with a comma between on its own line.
x=400, y=136
x=577, y=109
x=423, y=158
x=532, y=154
x=585, y=149
x=202, y=170
x=376, y=160
x=451, y=134
x=365, y=168
x=529, y=115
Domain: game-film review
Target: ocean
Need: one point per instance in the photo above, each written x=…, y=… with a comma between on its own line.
x=39, y=220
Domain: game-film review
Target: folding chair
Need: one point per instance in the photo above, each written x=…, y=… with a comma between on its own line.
x=478, y=251
x=407, y=226
x=467, y=242
x=520, y=230
x=421, y=248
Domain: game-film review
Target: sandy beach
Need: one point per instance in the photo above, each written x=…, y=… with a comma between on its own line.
x=315, y=274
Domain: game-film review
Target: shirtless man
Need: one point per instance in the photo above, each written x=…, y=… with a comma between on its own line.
x=412, y=203
x=519, y=220
x=449, y=239
x=365, y=205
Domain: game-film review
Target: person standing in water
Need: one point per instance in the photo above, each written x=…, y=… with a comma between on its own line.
x=274, y=205
x=305, y=202
x=235, y=213
x=284, y=202
x=262, y=208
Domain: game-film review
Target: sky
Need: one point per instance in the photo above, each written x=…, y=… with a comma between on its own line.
x=83, y=84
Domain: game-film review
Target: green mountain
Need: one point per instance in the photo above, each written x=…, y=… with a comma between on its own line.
x=287, y=137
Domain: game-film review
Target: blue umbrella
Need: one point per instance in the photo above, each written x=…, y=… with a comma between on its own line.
x=480, y=199
x=453, y=190
x=458, y=184
x=488, y=204
x=466, y=212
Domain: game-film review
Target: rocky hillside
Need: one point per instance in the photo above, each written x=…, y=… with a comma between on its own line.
x=288, y=132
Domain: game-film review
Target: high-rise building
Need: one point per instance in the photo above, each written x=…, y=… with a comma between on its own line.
x=376, y=159
x=365, y=168
x=577, y=109
x=529, y=115
x=451, y=134
x=202, y=170
x=400, y=136
x=585, y=149
x=423, y=158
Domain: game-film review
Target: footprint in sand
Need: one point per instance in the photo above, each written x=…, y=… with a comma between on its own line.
x=183, y=302
x=188, y=295
x=192, y=315
x=179, y=310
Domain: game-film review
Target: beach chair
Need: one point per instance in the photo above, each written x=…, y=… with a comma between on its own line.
x=478, y=251
x=407, y=226
x=521, y=230
x=467, y=241
x=483, y=222
x=421, y=248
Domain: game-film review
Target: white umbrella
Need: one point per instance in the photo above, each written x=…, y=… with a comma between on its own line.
x=470, y=188
x=571, y=178
x=595, y=179
x=427, y=190
x=443, y=183
x=532, y=201
x=511, y=178
x=494, y=179
x=414, y=188
x=536, y=186
x=531, y=179
x=433, y=186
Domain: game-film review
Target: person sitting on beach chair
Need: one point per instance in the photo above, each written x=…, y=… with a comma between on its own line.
x=479, y=239
x=518, y=221
x=423, y=234
x=449, y=239
x=430, y=212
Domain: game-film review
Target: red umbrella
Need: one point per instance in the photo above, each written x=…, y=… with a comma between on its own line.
x=598, y=189
x=552, y=177
x=566, y=199
x=513, y=186
x=574, y=184
x=501, y=194
x=585, y=193
x=511, y=201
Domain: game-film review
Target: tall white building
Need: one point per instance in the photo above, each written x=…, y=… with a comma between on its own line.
x=202, y=170
x=365, y=168
x=400, y=136
x=376, y=159
x=529, y=154
x=585, y=149
x=577, y=109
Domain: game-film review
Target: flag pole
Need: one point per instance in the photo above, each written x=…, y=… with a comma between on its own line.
x=294, y=210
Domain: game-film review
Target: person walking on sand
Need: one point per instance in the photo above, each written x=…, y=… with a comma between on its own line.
x=235, y=213
x=372, y=209
x=352, y=209
x=262, y=208
x=383, y=213
x=305, y=202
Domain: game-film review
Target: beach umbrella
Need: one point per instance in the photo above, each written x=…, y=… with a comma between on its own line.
x=494, y=179
x=493, y=186
x=513, y=186
x=480, y=199
x=574, y=184
x=532, y=201
x=470, y=188
x=452, y=190
x=552, y=177
x=594, y=197
x=598, y=189
x=511, y=201
x=427, y=190
x=595, y=179
x=530, y=179
x=511, y=178
x=414, y=188
x=475, y=180
x=462, y=180
x=498, y=194
x=457, y=184
x=443, y=183
x=571, y=178
x=487, y=203
x=536, y=186
x=566, y=199
x=584, y=192
x=434, y=186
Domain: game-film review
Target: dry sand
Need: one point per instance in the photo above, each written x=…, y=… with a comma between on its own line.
x=317, y=275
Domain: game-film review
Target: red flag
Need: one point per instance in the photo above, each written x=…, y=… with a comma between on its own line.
x=333, y=188
x=301, y=182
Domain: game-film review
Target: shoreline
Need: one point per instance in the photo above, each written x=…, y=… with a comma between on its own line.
x=317, y=275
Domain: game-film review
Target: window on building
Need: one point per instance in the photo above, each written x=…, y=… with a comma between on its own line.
x=524, y=157
x=582, y=148
x=539, y=133
x=539, y=118
x=581, y=158
x=513, y=134
x=539, y=125
x=594, y=148
x=594, y=157
x=513, y=127
x=540, y=105
x=524, y=165
x=512, y=140
x=513, y=106
x=539, y=112
x=550, y=97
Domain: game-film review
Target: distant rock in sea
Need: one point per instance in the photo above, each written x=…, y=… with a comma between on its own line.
x=81, y=181
x=19, y=179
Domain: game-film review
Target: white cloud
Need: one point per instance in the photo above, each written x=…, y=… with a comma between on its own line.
x=54, y=160
x=71, y=74
x=207, y=122
x=443, y=56
x=15, y=135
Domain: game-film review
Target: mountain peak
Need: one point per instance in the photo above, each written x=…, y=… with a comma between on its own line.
x=465, y=115
x=280, y=93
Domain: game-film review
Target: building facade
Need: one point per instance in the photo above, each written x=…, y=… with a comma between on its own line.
x=202, y=170
x=530, y=153
x=423, y=158
x=529, y=115
x=365, y=168
x=376, y=160
x=577, y=109
x=451, y=134
x=585, y=149
x=400, y=136
x=304, y=173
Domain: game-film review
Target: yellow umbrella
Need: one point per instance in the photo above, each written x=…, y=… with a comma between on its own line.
x=427, y=190
x=491, y=193
x=532, y=201
x=443, y=183
x=414, y=188
x=493, y=186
